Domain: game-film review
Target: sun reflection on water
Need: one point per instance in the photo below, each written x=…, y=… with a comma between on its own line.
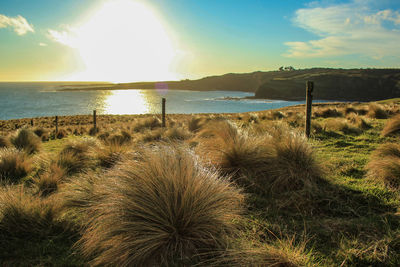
x=127, y=102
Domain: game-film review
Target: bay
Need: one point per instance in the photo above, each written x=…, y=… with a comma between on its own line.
x=26, y=100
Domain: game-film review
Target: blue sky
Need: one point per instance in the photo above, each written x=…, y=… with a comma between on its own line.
x=134, y=40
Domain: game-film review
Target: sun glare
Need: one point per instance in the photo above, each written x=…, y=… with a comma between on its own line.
x=122, y=41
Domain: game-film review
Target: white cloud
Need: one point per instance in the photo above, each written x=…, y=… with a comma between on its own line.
x=347, y=29
x=42, y=44
x=19, y=24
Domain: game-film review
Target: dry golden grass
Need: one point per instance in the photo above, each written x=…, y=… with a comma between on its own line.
x=343, y=126
x=111, y=153
x=4, y=142
x=23, y=216
x=47, y=182
x=277, y=162
x=392, y=127
x=357, y=121
x=76, y=157
x=283, y=252
x=14, y=165
x=196, y=123
x=384, y=165
x=164, y=209
x=147, y=123
x=176, y=134
x=328, y=113
x=26, y=140
x=376, y=111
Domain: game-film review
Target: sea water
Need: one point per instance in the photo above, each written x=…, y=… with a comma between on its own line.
x=26, y=100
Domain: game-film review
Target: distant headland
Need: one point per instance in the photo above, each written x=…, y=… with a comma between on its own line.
x=285, y=84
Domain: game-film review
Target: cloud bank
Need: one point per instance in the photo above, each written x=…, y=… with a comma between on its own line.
x=19, y=24
x=353, y=28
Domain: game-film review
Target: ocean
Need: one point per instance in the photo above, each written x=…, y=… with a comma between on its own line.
x=26, y=100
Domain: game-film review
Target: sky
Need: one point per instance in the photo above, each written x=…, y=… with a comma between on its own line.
x=145, y=40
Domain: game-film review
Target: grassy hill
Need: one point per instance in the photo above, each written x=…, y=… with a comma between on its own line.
x=330, y=84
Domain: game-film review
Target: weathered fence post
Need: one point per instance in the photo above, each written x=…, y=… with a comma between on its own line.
x=94, y=121
x=309, y=96
x=56, y=125
x=32, y=122
x=163, y=112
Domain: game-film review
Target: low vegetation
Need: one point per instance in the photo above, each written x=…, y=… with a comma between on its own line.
x=208, y=190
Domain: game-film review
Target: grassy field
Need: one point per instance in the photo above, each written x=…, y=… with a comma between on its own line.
x=208, y=190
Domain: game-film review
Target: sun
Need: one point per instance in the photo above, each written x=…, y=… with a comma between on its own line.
x=121, y=41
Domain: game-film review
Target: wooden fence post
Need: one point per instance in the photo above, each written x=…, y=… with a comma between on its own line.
x=309, y=97
x=163, y=112
x=56, y=125
x=94, y=120
x=32, y=122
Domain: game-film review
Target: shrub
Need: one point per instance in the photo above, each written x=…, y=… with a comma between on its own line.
x=164, y=209
x=14, y=165
x=4, y=142
x=392, y=127
x=26, y=140
x=376, y=111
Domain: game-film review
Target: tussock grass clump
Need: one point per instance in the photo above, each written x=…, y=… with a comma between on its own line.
x=279, y=162
x=385, y=165
x=39, y=131
x=152, y=136
x=376, y=111
x=47, y=182
x=26, y=140
x=164, y=209
x=14, y=165
x=392, y=127
x=110, y=154
x=61, y=134
x=123, y=138
x=277, y=115
x=26, y=220
x=76, y=157
x=176, y=133
x=94, y=131
x=343, y=126
x=147, y=123
x=4, y=142
x=329, y=113
x=196, y=123
x=357, y=121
